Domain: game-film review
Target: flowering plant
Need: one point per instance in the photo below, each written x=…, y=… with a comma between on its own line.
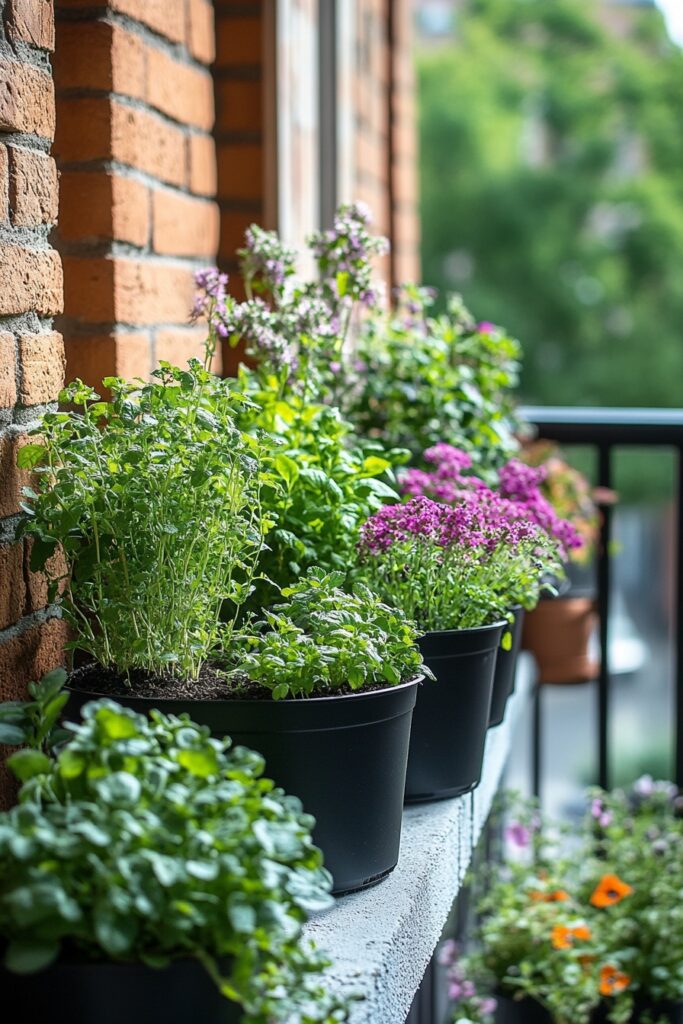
x=416, y=379
x=449, y=478
x=454, y=566
x=604, y=926
x=570, y=495
x=294, y=330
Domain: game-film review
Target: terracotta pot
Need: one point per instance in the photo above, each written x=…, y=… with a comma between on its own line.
x=558, y=632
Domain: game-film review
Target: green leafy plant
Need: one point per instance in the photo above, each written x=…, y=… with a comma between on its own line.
x=146, y=840
x=153, y=498
x=325, y=483
x=416, y=380
x=322, y=639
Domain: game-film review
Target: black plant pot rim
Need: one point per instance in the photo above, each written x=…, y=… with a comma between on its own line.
x=293, y=714
x=447, y=643
x=470, y=631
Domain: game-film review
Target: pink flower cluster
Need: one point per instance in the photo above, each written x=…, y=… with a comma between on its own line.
x=460, y=988
x=518, y=497
x=480, y=520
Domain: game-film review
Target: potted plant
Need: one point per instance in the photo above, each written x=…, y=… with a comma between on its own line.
x=560, y=630
x=449, y=477
x=150, y=874
x=589, y=936
x=451, y=568
x=324, y=689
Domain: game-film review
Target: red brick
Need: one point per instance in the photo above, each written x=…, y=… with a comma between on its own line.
x=4, y=184
x=202, y=165
x=12, y=586
x=240, y=105
x=184, y=226
x=29, y=656
x=97, y=55
x=201, y=30
x=239, y=41
x=37, y=583
x=31, y=21
x=42, y=362
x=22, y=659
x=27, y=99
x=180, y=91
x=8, y=371
x=12, y=479
x=178, y=345
x=116, y=131
x=33, y=189
x=117, y=354
x=126, y=290
x=240, y=171
x=167, y=17
x=30, y=279
x=97, y=205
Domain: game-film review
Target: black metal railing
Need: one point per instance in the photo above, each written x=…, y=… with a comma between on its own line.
x=605, y=430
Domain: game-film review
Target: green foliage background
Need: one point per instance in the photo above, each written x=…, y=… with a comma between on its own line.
x=552, y=168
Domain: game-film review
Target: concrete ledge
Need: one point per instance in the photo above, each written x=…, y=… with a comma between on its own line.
x=381, y=941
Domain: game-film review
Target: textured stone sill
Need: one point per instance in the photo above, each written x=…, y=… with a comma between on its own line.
x=381, y=941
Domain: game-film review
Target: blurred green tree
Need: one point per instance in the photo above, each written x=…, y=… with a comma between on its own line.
x=552, y=192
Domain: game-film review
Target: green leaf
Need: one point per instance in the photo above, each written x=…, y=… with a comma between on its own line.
x=373, y=465
x=342, y=283
x=30, y=455
x=506, y=642
x=29, y=957
x=119, y=787
x=27, y=763
x=115, y=932
x=116, y=724
x=201, y=763
x=71, y=764
x=12, y=735
x=288, y=470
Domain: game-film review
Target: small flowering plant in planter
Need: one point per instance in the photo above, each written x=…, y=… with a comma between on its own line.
x=457, y=570
x=593, y=934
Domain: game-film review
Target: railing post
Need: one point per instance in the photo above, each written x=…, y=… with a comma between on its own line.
x=678, y=623
x=604, y=584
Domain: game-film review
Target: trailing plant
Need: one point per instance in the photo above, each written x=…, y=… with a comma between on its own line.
x=415, y=379
x=455, y=566
x=145, y=840
x=153, y=498
x=322, y=639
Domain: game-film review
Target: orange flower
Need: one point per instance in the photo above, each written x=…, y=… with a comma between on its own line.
x=610, y=890
x=563, y=937
x=559, y=896
x=612, y=980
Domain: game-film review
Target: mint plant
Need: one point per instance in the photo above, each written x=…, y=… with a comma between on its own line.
x=321, y=640
x=154, y=499
x=145, y=840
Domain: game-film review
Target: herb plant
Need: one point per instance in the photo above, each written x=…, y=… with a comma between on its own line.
x=154, y=499
x=325, y=484
x=322, y=639
x=149, y=841
x=415, y=380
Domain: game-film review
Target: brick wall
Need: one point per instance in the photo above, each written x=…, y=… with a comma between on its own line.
x=31, y=352
x=135, y=112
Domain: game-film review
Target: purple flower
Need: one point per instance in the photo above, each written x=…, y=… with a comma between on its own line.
x=518, y=834
x=448, y=953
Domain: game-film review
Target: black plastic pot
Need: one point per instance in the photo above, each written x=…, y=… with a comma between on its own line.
x=506, y=665
x=520, y=1011
x=79, y=992
x=344, y=757
x=451, y=715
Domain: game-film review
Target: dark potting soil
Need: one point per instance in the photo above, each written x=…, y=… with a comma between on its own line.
x=211, y=684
